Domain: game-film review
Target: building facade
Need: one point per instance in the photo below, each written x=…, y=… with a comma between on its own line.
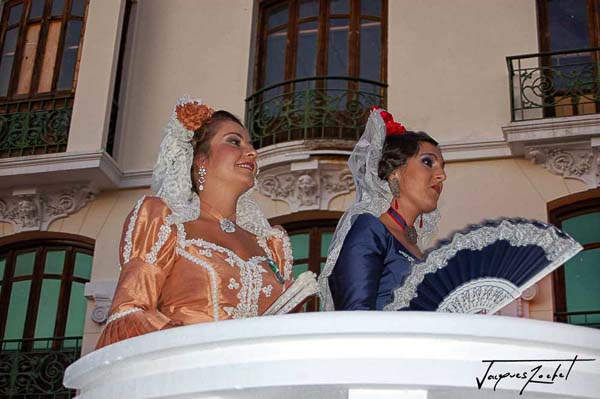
x=509, y=88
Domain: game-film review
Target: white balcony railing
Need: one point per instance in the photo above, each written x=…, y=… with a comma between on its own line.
x=349, y=355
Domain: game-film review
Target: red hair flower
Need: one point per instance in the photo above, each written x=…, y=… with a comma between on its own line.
x=392, y=128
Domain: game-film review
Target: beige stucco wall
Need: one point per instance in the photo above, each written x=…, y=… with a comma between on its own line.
x=200, y=48
x=446, y=63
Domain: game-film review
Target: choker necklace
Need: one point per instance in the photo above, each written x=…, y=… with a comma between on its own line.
x=227, y=225
x=409, y=231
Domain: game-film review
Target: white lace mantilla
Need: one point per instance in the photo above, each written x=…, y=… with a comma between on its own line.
x=557, y=246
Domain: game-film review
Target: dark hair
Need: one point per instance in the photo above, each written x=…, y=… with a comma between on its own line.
x=398, y=149
x=202, y=137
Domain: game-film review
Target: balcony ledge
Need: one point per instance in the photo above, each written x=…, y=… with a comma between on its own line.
x=95, y=168
x=425, y=355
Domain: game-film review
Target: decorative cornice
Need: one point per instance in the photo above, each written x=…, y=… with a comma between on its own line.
x=577, y=160
x=35, y=208
x=308, y=186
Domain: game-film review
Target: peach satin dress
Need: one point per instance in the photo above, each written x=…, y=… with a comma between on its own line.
x=169, y=279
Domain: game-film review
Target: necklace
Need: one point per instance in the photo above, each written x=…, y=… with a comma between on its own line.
x=409, y=231
x=227, y=225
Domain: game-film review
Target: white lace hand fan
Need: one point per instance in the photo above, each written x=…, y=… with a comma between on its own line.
x=484, y=267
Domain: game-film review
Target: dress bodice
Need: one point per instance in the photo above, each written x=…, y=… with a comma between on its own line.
x=371, y=264
x=169, y=279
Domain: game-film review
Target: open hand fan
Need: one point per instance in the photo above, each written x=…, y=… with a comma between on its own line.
x=484, y=267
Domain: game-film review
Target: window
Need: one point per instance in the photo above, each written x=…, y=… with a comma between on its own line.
x=310, y=234
x=577, y=284
x=41, y=290
x=40, y=48
x=307, y=38
x=570, y=30
x=319, y=64
x=41, y=41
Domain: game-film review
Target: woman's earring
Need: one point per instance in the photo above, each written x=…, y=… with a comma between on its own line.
x=395, y=188
x=201, y=177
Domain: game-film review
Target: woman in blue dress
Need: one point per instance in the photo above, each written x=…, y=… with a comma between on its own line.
x=399, y=177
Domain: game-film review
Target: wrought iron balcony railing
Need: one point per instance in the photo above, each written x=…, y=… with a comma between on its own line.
x=34, y=127
x=327, y=107
x=556, y=84
x=34, y=368
x=590, y=318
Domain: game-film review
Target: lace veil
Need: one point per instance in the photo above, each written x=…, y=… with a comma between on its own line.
x=171, y=180
x=372, y=196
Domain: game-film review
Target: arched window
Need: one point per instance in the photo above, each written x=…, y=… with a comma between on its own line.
x=577, y=284
x=41, y=290
x=310, y=234
x=40, y=42
x=42, y=310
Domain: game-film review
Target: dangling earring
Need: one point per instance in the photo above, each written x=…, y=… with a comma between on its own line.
x=201, y=177
x=395, y=188
x=421, y=222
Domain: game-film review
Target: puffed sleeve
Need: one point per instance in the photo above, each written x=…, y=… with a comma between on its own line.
x=355, y=279
x=147, y=253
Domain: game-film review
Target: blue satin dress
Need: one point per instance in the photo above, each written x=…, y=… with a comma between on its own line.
x=371, y=264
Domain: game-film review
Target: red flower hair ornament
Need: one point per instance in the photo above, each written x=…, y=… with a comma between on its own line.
x=392, y=128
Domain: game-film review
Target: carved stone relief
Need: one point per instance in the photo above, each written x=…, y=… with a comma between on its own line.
x=35, y=209
x=580, y=162
x=306, y=189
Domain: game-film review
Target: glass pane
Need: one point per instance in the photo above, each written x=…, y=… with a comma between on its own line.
x=37, y=9
x=50, y=53
x=83, y=265
x=568, y=24
x=582, y=285
x=325, y=242
x=300, y=245
x=77, y=309
x=8, y=57
x=370, y=7
x=78, y=8
x=57, y=7
x=309, y=8
x=278, y=16
x=15, y=14
x=69, y=58
x=584, y=228
x=339, y=7
x=370, y=50
x=46, y=316
x=17, y=310
x=299, y=269
x=275, y=58
x=28, y=61
x=337, y=56
x=2, y=268
x=24, y=264
x=55, y=261
x=307, y=49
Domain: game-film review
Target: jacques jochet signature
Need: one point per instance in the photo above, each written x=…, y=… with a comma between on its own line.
x=544, y=371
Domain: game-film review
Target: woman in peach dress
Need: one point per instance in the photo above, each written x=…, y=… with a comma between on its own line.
x=200, y=250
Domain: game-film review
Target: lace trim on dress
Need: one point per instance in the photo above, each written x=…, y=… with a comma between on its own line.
x=213, y=278
x=163, y=235
x=128, y=244
x=122, y=313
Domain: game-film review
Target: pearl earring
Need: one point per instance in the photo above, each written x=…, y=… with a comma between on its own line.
x=201, y=178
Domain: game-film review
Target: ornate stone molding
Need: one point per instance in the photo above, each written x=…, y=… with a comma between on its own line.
x=35, y=208
x=307, y=188
x=101, y=292
x=578, y=161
